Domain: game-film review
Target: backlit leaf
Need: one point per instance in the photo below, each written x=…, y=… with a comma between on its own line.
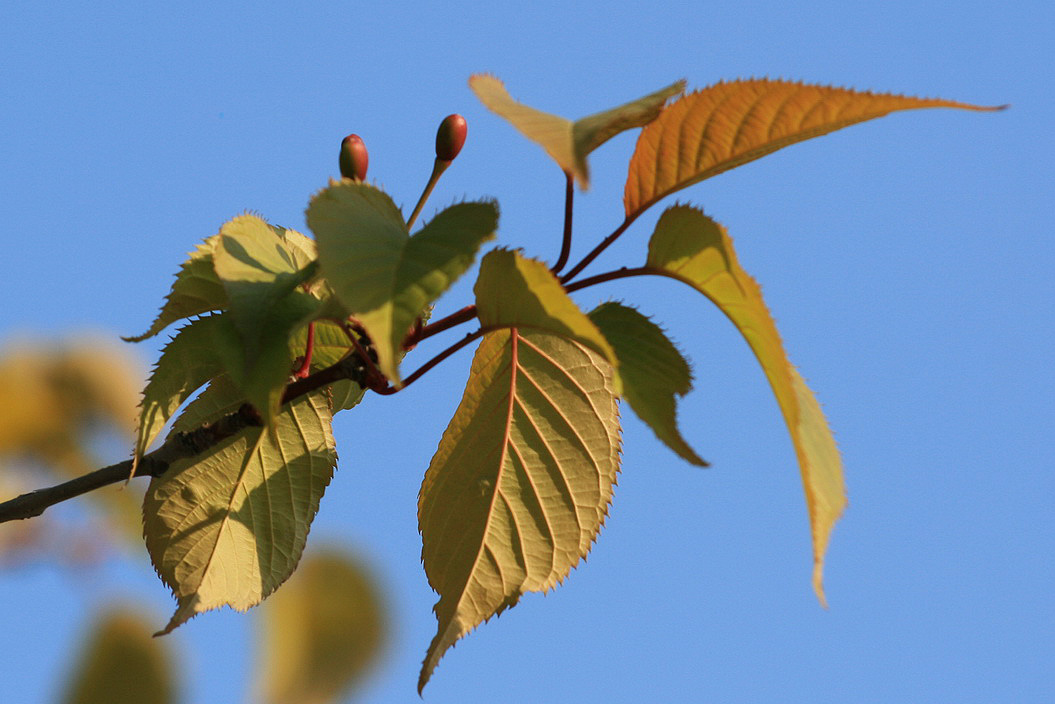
x=567, y=142
x=696, y=250
x=380, y=273
x=521, y=482
x=514, y=291
x=200, y=351
x=652, y=369
x=731, y=123
x=265, y=305
x=228, y=527
x=121, y=664
x=196, y=290
x=322, y=632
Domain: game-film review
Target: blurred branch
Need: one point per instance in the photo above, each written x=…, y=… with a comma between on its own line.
x=177, y=446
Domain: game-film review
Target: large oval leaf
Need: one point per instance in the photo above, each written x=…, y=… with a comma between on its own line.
x=731, y=123
x=521, y=482
x=691, y=247
x=228, y=527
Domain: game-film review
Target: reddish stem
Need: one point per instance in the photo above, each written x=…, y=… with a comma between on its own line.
x=599, y=248
x=565, y=247
x=457, y=318
x=309, y=348
x=389, y=390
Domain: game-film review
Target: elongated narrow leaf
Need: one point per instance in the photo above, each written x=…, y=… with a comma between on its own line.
x=196, y=290
x=199, y=352
x=514, y=291
x=121, y=664
x=696, y=250
x=731, y=123
x=521, y=482
x=228, y=527
x=322, y=632
x=384, y=276
x=567, y=142
x=652, y=369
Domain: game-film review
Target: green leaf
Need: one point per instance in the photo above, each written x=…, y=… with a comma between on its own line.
x=731, y=123
x=652, y=369
x=228, y=527
x=513, y=291
x=196, y=290
x=121, y=664
x=321, y=633
x=200, y=351
x=696, y=250
x=384, y=276
x=521, y=481
x=567, y=142
x=261, y=281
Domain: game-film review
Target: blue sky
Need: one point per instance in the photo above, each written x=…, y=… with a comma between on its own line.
x=907, y=262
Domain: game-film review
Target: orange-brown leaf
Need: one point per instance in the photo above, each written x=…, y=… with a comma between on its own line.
x=731, y=123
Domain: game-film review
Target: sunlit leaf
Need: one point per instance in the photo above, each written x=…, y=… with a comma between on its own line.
x=567, y=142
x=652, y=369
x=121, y=664
x=696, y=250
x=265, y=305
x=201, y=350
x=520, y=484
x=380, y=273
x=228, y=527
x=514, y=291
x=322, y=632
x=196, y=290
x=331, y=346
x=731, y=123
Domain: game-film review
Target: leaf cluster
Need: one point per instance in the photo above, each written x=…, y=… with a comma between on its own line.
x=523, y=476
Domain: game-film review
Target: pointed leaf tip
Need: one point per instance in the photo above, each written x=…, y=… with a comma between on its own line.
x=731, y=123
x=694, y=249
x=520, y=484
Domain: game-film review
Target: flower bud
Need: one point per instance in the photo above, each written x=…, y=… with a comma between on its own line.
x=450, y=137
x=354, y=158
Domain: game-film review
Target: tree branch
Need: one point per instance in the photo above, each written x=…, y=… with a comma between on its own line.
x=177, y=446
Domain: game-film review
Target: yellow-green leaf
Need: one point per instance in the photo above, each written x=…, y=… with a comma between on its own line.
x=322, y=632
x=521, y=482
x=514, y=291
x=652, y=369
x=567, y=142
x=696, y=250
x=196, y=290
x=121, y=664
x=380, y=273
x=200, y=351
x=731, y=123
x=266, y=305
x=229, y=526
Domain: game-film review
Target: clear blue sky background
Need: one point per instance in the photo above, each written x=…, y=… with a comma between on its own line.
x=908, y=262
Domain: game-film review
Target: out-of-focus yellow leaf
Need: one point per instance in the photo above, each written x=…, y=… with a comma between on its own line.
x=322, y=632
x=566, y=141
x=54, y=398
x=696, y=250
x=731, y=123
x=521, y=481
x=121, y=664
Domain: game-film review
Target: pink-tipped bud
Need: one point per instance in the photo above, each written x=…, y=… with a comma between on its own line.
x=354, y=158
x=450, y=137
